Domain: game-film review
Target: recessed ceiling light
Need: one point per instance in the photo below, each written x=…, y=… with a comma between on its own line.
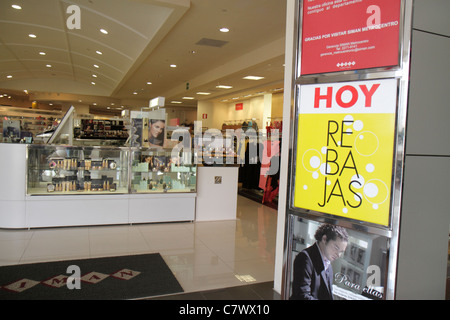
x=48, y=65
x=96, y=66
x=135, y=92
x=253, y=78
x=42, y=53
x=175, y=102
x=9, y=77
x=173, y=65
x=94, y=75
x=93, y=83
x=99, y=52
x=149, y=82
x=188, y=98
x=224, y=29
x=204, y=93
x=103, y=31
x=16, y=6
x=32, y=36
x=223, y=87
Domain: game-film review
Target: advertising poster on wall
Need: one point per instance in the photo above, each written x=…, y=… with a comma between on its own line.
x=345, y=148
x=340, y=35
x=357, y=272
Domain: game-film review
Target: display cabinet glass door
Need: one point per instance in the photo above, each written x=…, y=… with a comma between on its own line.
x=158, y=171
x=76, y=170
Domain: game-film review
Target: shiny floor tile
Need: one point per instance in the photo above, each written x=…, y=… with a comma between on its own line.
x=206, y=255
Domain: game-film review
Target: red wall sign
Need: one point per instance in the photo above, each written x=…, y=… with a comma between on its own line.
x=239, y=106
x=341, y=35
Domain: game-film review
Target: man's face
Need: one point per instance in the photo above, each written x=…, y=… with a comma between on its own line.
x=333, y=249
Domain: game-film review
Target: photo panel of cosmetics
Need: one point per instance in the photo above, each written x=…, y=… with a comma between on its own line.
x=76, y=170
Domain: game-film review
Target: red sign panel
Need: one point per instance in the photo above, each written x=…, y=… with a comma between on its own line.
x=341, y=35
x=239, y=106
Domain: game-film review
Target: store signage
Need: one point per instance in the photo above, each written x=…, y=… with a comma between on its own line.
x=239, y=106
x=345, y=149
x=339, y=35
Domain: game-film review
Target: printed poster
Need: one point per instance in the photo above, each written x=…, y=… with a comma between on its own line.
x=345, y=148
x=340, y=35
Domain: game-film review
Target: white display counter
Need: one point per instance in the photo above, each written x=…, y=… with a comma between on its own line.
x=21, y=211
x=217, y=189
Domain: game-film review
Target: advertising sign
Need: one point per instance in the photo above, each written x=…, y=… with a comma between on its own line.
x=345, y=147
x=343, y=35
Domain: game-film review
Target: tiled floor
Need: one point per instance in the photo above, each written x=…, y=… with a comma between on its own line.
x=204, y=256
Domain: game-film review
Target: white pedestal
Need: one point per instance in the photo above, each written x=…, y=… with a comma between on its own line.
x=217, y=189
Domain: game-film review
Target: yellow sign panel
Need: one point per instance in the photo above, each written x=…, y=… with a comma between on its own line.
x=345, y=149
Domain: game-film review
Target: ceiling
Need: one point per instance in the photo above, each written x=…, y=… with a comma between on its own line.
x=144, y=38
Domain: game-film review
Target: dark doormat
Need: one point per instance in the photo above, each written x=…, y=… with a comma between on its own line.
x=111, y=278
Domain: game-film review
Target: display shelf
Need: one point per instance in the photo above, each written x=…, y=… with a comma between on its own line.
x=158, y=171
x=78, y=170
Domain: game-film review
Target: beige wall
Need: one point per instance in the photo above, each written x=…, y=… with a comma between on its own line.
x=254, y=108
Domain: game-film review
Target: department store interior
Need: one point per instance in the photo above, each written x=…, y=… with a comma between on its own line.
x=82, y=84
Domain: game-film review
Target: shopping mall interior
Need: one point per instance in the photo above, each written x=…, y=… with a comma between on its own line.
x=84, y=74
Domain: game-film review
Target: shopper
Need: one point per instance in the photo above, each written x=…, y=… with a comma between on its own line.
x=313, y=273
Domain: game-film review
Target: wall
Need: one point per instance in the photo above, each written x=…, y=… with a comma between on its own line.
x=422, y=263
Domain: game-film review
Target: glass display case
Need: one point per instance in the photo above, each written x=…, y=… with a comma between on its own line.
x=76, y=170
x=157, y=170
x=54, y=169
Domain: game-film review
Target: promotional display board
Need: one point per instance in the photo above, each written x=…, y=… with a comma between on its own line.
x=347, y=145
x=343, y=35
x=345, y=149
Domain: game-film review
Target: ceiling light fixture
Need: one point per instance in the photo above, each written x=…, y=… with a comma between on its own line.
x=253, y=78
x=224, y=29
x=135, y=92
x=175, y=102
x=204, y=93
x=99, y=52
x=149, y=83
x=96, y=66
x=188, y=98
x=48, y=65
x=94, y=75
x=42, y=53
x=103, y=31
x=9, y=77
x=16, y=6
x=223, y=87
x=32, y=36
x=173, y=65
x=93, y=83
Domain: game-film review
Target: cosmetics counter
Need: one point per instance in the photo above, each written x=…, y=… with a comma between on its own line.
x=53, y=185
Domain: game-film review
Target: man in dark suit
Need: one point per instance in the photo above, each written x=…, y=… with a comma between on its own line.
x=313, y=273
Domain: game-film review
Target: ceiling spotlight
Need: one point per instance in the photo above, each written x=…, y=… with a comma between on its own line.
x=175, y=102
x=9, y=77
x=135, y=92
x=224, y=29
x=204, y=93
x=99, y=52
x=93, y=83
x=223, y=87
x=94, y=75
x=48, y=65
x=253, y=78
x=42, y=53
x=103, y=31
x=96, y=66
x=149, y=82
x=16, y=6
x=32, y=36
x=173, y=65
x=188, y=98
